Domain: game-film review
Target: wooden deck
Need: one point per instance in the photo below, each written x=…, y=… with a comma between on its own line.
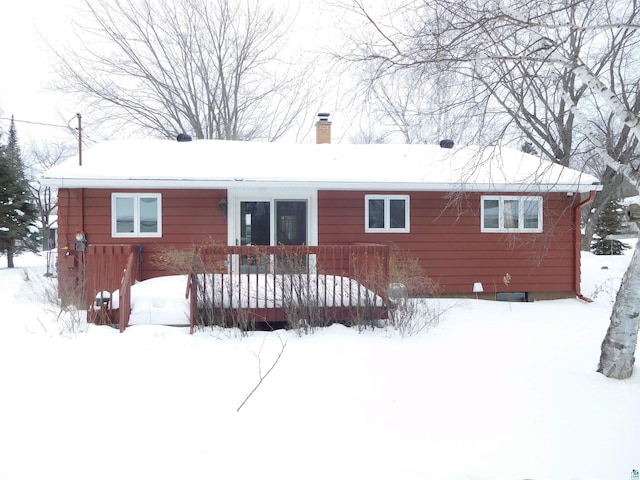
x=248, y=285
x=245, y=286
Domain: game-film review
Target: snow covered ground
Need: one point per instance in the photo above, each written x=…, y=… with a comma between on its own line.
x=495, y=391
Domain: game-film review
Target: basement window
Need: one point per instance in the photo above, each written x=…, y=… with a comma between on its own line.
x=386, y=213
x=512, y=296
x=136, y=215
x=510, y=213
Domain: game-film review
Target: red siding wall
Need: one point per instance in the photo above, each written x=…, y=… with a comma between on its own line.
x=189, y=217
x=445, y=236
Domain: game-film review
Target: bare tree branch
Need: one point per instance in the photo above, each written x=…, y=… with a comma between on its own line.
x=260, y=375
x=210, y=68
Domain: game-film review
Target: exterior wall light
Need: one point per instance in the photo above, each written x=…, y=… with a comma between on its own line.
x=223, y=204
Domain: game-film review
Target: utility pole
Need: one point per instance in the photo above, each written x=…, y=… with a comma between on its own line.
x=79, y=139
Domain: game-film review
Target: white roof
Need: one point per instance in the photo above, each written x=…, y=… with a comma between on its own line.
x=227, y=164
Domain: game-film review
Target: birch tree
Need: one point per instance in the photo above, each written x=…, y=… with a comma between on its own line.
x=209, y=68
x=558, y=95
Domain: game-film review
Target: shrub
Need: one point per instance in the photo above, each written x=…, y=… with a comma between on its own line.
x=412, y=296
x=64, y=307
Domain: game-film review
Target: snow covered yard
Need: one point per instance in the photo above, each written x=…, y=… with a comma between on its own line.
x=495, y=391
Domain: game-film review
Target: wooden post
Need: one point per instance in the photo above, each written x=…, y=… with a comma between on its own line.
x=79, y=139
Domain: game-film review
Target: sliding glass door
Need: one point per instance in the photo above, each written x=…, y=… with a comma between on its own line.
x=271, y=222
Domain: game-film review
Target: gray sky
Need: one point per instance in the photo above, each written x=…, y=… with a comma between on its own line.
x=27, y=69
x=27, y=72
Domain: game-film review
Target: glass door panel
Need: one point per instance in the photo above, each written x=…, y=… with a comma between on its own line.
x=291, y=229
x=255, y=229
x=291, y=219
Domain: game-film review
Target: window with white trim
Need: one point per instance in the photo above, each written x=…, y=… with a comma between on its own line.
x=510, y=213
x=386, y=213
x=136, y=215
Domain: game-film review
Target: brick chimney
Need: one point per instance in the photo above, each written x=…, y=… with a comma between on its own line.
x=323, y=128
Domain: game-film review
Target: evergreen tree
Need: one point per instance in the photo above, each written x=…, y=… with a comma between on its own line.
x=18, y=214
x=13, y=150
x=609, y=223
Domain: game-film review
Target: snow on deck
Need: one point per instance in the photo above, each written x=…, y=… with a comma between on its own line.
x=162, y=300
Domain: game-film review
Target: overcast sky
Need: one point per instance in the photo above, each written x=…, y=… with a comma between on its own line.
x=27, y=64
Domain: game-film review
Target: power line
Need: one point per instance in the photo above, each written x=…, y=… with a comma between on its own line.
x=36, y=123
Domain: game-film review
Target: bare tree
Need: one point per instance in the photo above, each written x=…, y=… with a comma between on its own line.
x=508, y=74
x=418, y=106
x=537, y=95
x=564, y=73
x=209, y=68
x=40, y=159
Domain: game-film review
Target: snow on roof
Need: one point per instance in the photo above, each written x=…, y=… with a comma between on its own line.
x=228, y=164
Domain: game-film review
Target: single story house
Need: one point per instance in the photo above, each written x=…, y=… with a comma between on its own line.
x=488, y=221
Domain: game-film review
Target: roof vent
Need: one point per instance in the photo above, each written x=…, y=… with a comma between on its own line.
x=183, y=137
x=446, y=143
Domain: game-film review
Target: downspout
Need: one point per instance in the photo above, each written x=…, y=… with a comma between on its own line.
x=81, y=208
x=577, y=243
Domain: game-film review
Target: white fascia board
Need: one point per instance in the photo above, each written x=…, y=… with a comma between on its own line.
x=164, y=183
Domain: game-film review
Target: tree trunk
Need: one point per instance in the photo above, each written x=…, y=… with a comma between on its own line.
x=619, y=344
x=611, y=190
x=589, y=230
x=46, y=236
x=10, y=257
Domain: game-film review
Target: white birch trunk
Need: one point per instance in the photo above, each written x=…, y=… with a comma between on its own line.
x=617, y=353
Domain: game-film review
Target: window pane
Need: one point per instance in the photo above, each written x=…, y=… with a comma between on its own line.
x=491, y=212
x=376, y=213
x=124, y=215
x=510, y=212
x=397, y=211
x=148, y=215
x=530, y=208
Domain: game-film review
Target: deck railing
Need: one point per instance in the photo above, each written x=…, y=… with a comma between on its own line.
x=244, y=285
x=104, y=270
x=124, y=301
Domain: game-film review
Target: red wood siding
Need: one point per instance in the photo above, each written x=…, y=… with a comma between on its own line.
x=189, y=217
x=70, y=208
x=445, y=236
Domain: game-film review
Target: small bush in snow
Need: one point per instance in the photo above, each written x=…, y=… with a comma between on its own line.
x=66, y=313
x=412, y=296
